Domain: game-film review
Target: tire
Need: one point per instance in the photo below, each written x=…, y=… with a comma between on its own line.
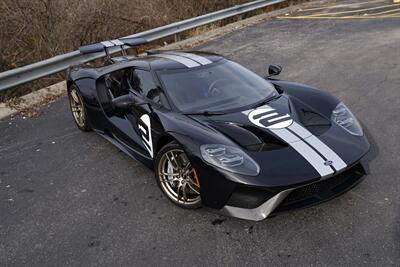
x=176, y=177
x=78, y=109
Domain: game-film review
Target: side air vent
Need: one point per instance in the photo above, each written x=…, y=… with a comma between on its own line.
x=248, y=197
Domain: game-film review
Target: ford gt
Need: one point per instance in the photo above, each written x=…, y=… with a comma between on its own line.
x=218, y=135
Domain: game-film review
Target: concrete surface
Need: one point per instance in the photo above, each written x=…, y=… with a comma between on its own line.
x=69, y=198
x=33, y=99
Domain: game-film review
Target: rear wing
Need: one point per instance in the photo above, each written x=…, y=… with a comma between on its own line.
x=104, y=46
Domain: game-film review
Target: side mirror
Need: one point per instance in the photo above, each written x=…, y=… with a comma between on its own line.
x=274, y=70
x=124, y=101
x=127, y=101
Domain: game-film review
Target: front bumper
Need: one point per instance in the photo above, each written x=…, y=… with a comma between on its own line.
x=240, y=204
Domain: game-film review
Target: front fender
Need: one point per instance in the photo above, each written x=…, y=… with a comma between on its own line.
x=215, y=187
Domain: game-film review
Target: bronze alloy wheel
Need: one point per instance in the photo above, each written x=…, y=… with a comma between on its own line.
x=177, y=178
x=77, y=109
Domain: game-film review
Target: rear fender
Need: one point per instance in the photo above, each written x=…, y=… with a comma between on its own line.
x=87, y=89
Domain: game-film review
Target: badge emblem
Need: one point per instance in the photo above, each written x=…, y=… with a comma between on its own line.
x=267, y=117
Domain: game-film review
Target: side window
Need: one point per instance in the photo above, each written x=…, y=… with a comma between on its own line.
x=143, y=83
x=116, y=82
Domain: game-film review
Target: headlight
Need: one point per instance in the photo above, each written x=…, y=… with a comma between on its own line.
x=229, y=158
x=343, y=117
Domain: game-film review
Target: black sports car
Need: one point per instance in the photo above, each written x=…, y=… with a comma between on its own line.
x=218, y=135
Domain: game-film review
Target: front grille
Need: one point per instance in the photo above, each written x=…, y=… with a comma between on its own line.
x=322, y=190
x=315, y=188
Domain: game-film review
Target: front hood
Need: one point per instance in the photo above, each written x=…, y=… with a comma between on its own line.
x=257, y=125
x=292, y=142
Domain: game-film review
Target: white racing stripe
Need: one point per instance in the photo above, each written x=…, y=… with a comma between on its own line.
x=199, y=59
x=305, y=150
x=317, y=144
x=328, y=153
x=313, y=158
x=300, y=130
x=183, y=60
x=286, y=135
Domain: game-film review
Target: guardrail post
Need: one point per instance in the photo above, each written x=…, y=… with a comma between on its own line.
x=177, y=37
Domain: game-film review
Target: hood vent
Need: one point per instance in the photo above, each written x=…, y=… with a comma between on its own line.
x=269, y=142
x=310, y=119
x=314, y=122
x=249, y=137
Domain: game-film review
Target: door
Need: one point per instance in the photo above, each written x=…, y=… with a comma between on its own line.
x=108, y=87
x=142, y=118
x=133, y=127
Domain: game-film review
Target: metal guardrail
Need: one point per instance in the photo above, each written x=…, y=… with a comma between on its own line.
x=18, y=76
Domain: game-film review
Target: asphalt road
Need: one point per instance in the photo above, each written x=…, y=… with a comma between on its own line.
x=69, y=198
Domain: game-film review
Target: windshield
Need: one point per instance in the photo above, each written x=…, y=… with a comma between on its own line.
x=216, y=88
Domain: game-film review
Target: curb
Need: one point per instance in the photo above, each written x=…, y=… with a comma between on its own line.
x=32, y=99
x=6, y=111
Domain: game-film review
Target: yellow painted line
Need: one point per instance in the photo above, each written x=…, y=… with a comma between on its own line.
x=353, y=11
x=342, y=5
x=343, y=17
x=385, y=12
x=392, y=15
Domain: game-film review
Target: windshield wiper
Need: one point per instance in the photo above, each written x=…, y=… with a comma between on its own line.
x=265, y=101
x=205, y=113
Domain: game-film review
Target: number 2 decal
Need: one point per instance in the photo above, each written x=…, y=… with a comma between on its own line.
x=145, y=128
